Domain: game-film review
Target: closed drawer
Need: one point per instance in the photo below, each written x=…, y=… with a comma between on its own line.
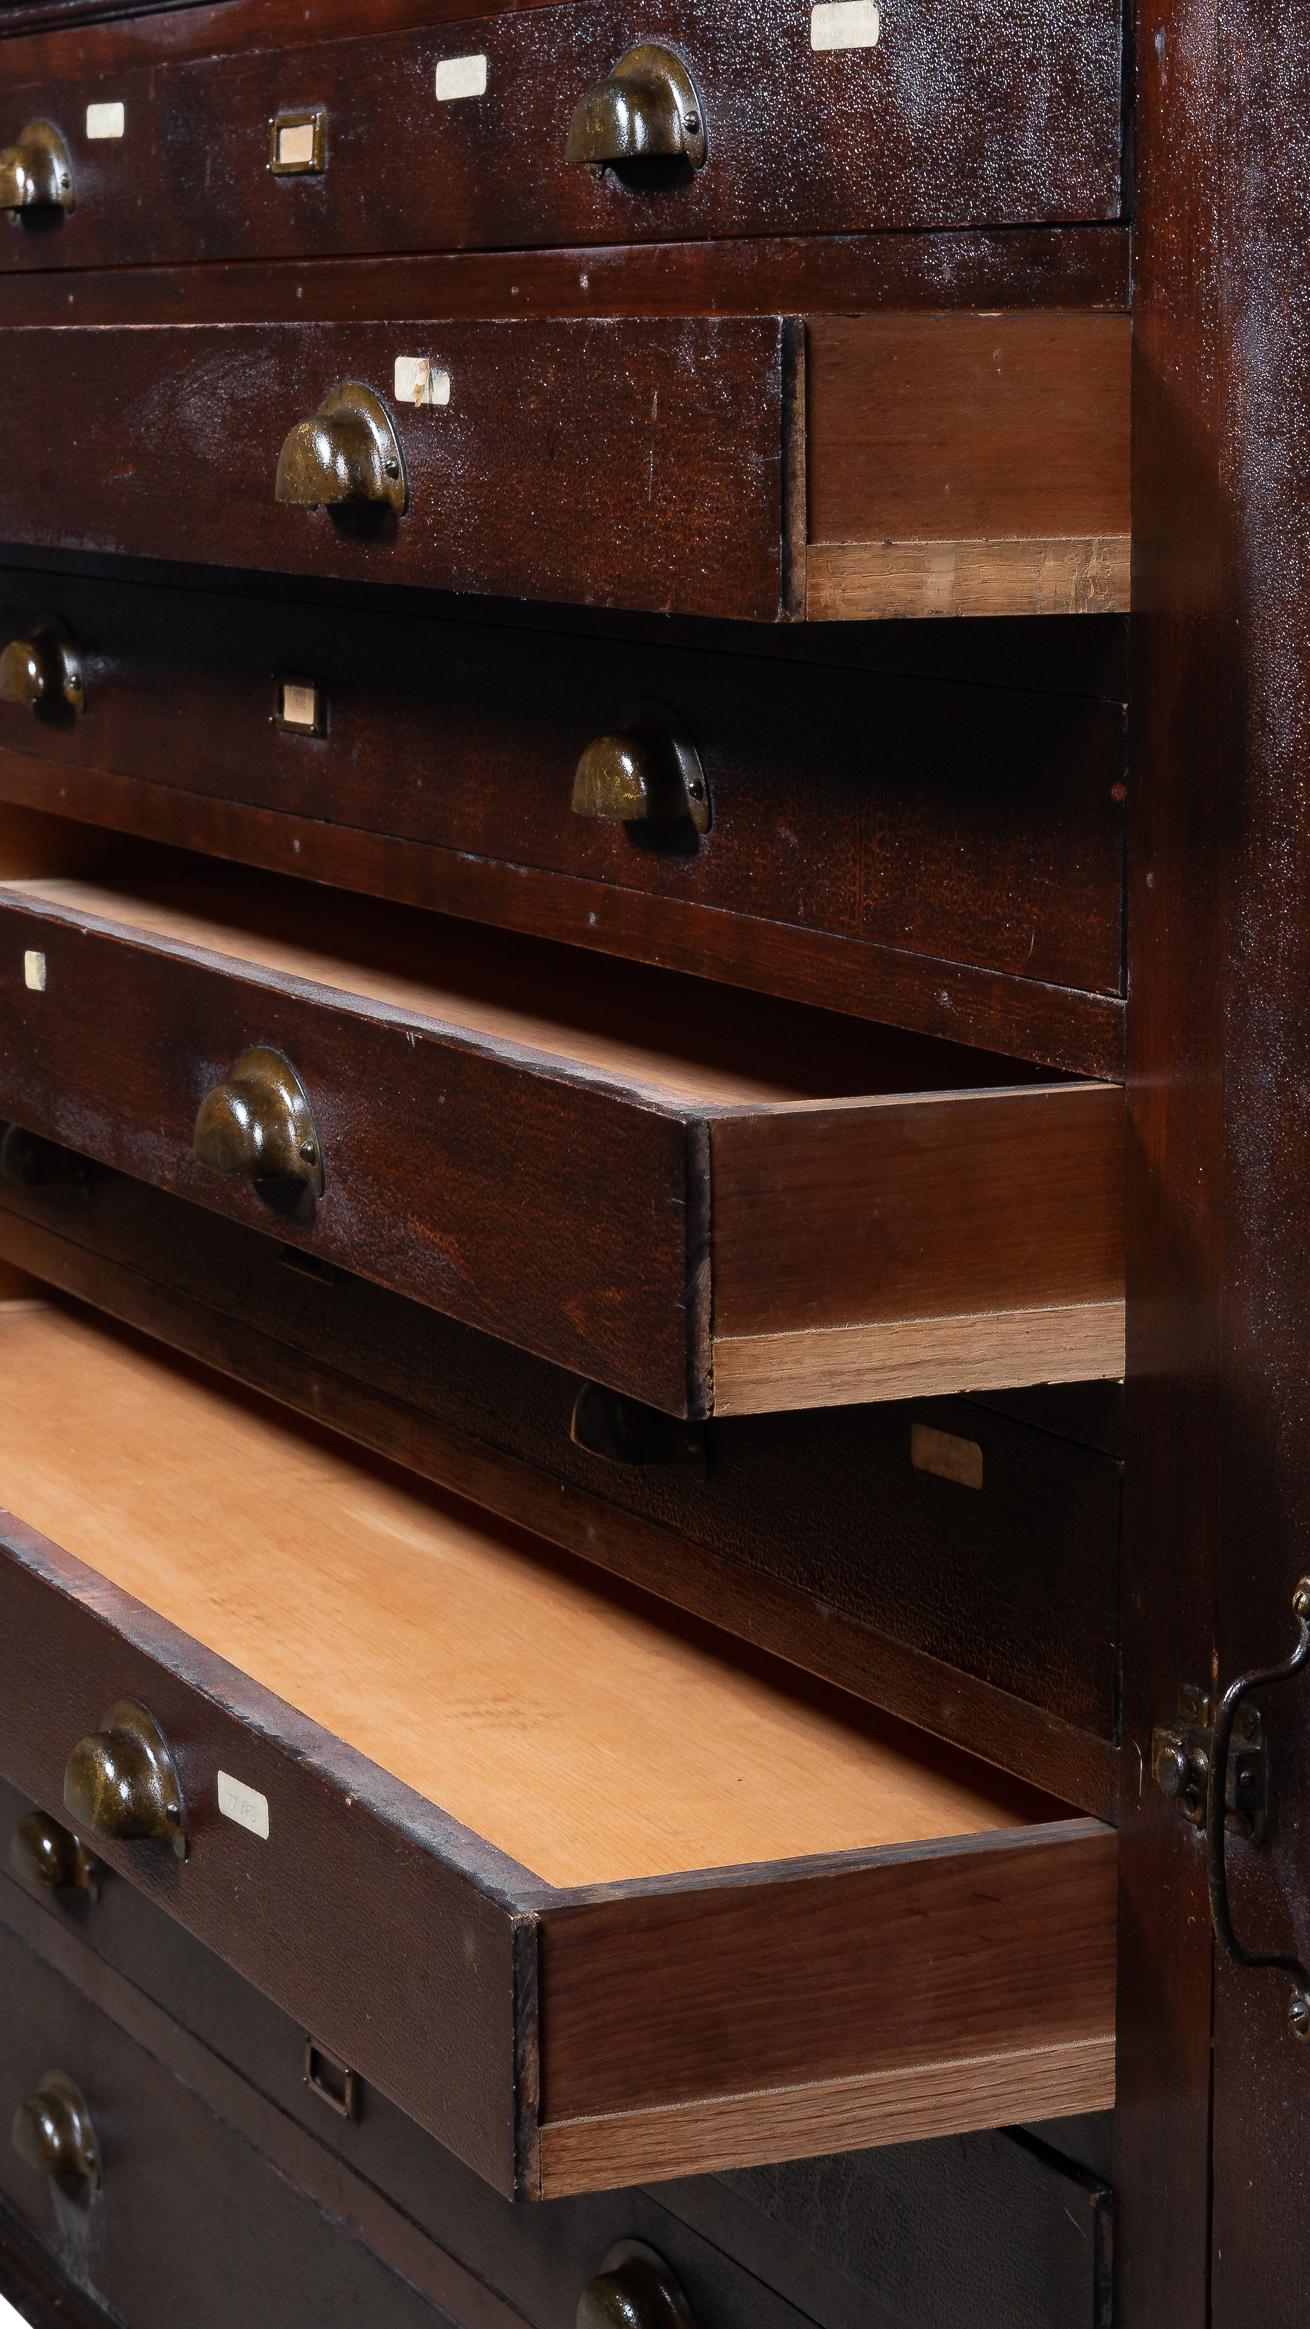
x=592, y=1898
x=457, y=136
x=706, y=1202
x=945, y=857
x=185, y=2221
x=957, y=1566
x=741, y=466
x=958, y=2233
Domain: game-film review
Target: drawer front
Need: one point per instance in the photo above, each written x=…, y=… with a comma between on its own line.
x=457, y=137
x=187, y=2222
x=941, y=1239
x=636, y=463
x=889, y=818
x=956, y=1565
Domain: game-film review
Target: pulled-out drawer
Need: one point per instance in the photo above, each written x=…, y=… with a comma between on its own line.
x=956, y=1566
x=709, y=1202
x=903, y=2230
x=890, y=464
x=709, y=117
x=591, y=1895
x=946, y=857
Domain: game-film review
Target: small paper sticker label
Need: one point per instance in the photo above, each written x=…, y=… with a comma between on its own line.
x=245, y=1805
x=419, y=381
x=105, y=120
x=295, y=144
x=34, y=973
x=845, y=24
x=461, y=77
x=300, y=704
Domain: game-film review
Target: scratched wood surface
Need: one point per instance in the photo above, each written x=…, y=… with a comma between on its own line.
x=956, y=115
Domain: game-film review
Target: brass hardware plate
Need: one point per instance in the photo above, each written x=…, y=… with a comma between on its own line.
x=648, y=772
x=42, y=672
x=634, y=2289
x=35, y=171
x=624, y=1431
x=331, y=2081
x=121, y=1781
x=301, y=710
x=297, y=144
x=42, y=1852
x=258, y=1126
x=52, y=2132
x=348, y=452
x=647, y=110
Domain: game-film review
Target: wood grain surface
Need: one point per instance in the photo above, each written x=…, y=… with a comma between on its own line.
x=599, y=462
x=988, y=1616
x=953, y=117
x=580, y=1735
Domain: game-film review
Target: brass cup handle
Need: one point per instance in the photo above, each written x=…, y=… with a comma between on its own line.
x=42, y=672
x=53, y=2133
x=348, y=452
x=42, y=1852
x=35, y=171
x=648, y=772
x=258, y=1126
x=647, y=109
x=634, y=2289
x=121, y=1782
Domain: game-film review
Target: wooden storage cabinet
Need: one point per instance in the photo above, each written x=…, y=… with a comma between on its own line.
x=943, y=856
x=956, y=1565
x=614, y=1948
x=952, y=116
x=779, y=1209
x=945, y=464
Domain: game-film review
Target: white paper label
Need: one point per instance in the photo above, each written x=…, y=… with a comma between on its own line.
x=845, y=24
x=295, y=145
x=245, y=1805
x=34, y=973
x=104, y=120
x=461, y=77
x=419, y=381
x=299, y=704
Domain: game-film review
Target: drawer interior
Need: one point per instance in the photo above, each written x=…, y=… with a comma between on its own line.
x=673, y=1907
x=581, y=1731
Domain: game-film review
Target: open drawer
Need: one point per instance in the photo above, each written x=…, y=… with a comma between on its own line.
x=758, y=467
x=593, y=1896
x=709, y=1201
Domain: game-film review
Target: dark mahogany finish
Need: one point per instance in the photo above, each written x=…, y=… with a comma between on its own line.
x=958, y=115
x=983, y=1606
x=638, y=463
x=873, y=840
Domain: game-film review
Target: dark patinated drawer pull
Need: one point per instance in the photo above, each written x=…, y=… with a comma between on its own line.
x=649, y=772
x=42, y=671
x=349, y=451
x=42, y=1852
x=634, y=2289
x=122, y=1782
x=258, y=1126
x=52, y=2131
x=35, y=172
x=646, y=110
